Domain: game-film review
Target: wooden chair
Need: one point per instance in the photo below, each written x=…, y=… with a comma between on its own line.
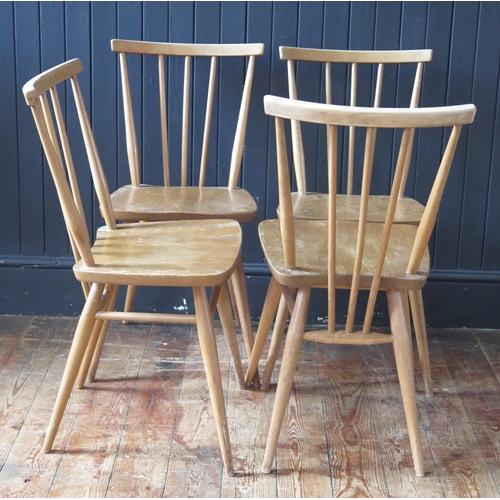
x=197, y=254
x=309, y=205
x=344, y=254
x=168, y=202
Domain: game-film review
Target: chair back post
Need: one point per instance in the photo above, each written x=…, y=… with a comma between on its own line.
x=130, y=133
x=363, y=213
x=287, y=225
x=239, y=137
x=98, y=176
x=431, y=208
x=415, y=97
x=391, y=210
x=185, y=119
x=163, y=119
x=208, y=120
x=297, y=144
x=332, y=144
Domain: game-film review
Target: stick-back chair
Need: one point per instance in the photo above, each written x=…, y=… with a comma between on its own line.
x=310, y=205
x=354, y=255
x=137, y=201
x=196, y=254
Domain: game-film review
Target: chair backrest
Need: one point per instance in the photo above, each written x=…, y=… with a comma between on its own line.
x=188, y=52
x=351, y=58
x=336, y=117
x=57, y=149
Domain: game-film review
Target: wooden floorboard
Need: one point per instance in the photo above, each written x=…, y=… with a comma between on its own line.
x=144, y=428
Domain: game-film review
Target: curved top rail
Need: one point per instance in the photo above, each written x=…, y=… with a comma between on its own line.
x=35, y=87
x=356, y=56
x=187, y=49
x=356, y=116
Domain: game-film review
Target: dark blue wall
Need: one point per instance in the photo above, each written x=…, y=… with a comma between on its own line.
x=465, y=281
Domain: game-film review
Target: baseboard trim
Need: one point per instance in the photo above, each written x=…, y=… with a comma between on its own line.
x=43, y=286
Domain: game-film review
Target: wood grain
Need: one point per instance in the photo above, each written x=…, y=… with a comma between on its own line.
x=195, y=442
x=384, y=398
x=95, y=437
x=145, y=427
x=144, y=451
x=302, y=454
x=356, y=466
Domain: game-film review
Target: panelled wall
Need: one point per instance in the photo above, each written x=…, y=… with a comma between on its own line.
x=35, y=259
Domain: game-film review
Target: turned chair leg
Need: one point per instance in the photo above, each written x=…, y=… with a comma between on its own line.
x=243, y=306
x=288, y=365
x=97, y=339
x=226, y=318
x=417, y=310
x=276, y=339
x=129, y=300
x=232, y=296
x=76, y=353
x=266, y=318
x=404, y=364
x=208, y=346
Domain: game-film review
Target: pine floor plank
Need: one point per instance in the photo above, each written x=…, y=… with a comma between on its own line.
x=356, y=467
x=22, y=376
x=195, y=467
x=302, y=455
x=385, y=400
x=12, y=329
x=479, y=391
x=95, y=437
x=142, y=461
x=249, y=415
x=29, y=472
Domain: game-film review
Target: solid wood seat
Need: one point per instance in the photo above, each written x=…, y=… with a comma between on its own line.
x=197, y=254
x=164, y=254
x=314, y=206
x=311, y=255
x=157, y=203
x=354, y=255
x=179, y=66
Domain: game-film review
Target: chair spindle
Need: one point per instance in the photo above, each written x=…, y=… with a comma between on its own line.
x=185, y=120
x=208, y=120
x=131, y=136
x=163, y=120
x=363, y=213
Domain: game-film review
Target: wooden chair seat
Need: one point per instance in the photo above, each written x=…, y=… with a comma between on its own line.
x=312, y=255
x=314, y=206
x=164, y=254
x=160, y=203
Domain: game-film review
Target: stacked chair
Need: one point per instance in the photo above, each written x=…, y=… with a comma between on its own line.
x=350, y=254
x=314, y=206
x=187, y=253
x=139, y=202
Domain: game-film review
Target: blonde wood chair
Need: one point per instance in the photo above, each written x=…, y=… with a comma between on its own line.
x=196, y=254
x=354, y=255
x=168, y=202
x=309, y=205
